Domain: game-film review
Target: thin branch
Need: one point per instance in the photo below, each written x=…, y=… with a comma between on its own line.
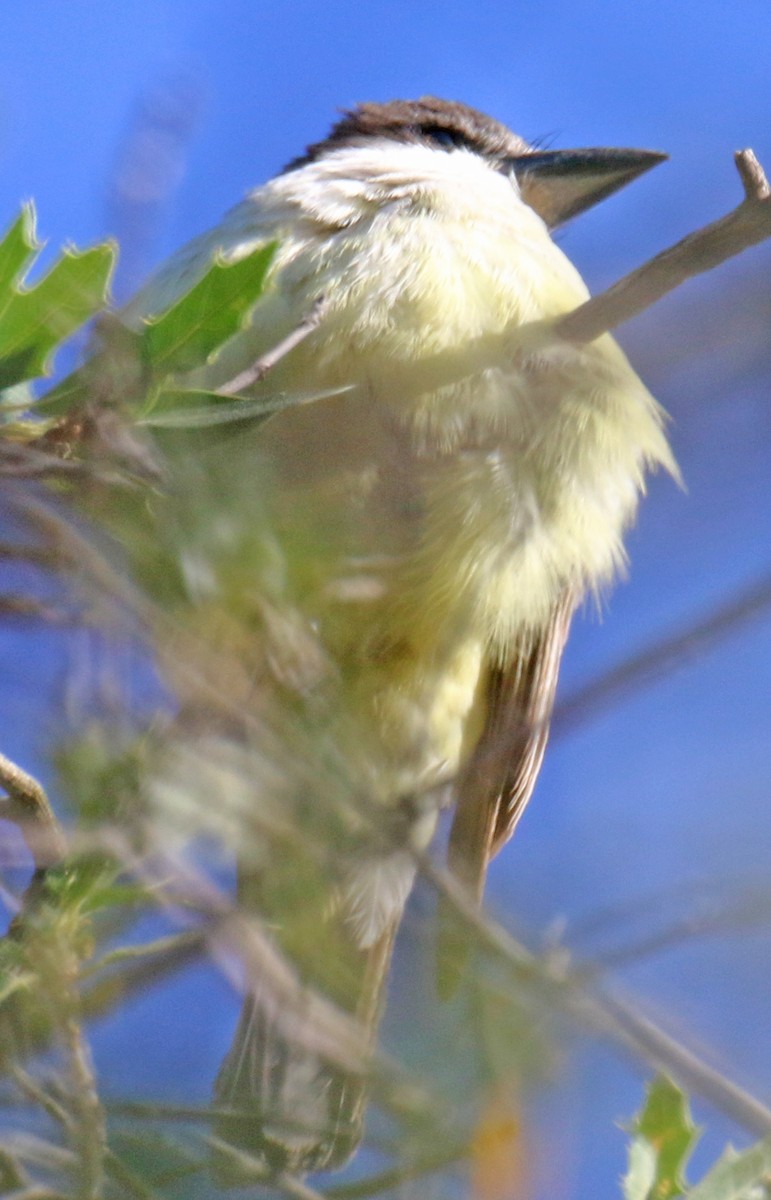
x=35, y=1092
x=37, y=556
x=297, y=1189
x=396, y=1177
x=89, y=1134
x=665, y=1052
x=118, y=986
x=753, y=177
x=30, y=608
x=660, y=658
x=26, y=461
x=140, y=1110
x=34, y=1192
x=701, y=251
x=745, y=915
x=251, y=1170
x=310, y=1018
x=28, y=806
x=608, y=1016
x=257, y=372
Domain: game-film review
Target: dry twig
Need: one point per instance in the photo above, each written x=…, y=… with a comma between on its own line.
x=267, y=361
x=611, y=1017
x=747, y=225
x=28, y=806
x=659, y=659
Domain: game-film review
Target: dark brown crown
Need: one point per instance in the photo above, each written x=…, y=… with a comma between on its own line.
x=445, y=124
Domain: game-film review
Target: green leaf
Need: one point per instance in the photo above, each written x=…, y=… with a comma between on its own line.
x=663, y=1141
x=209, y=314
x=18, y=248
x=185, y=336
x=35, y=320
x=640, y=1178
x=187, y=408
x=743, y=1176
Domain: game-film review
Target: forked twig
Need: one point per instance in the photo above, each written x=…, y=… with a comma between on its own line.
x=747, y=225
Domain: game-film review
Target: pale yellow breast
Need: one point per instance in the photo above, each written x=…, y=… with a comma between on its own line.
x=478, y=466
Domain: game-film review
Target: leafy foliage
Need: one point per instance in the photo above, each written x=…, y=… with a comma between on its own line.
x=738, y=1176
x=663, y=1140
x=185, y=335
x=170, y=343
x=35, y=320
x=165, y=545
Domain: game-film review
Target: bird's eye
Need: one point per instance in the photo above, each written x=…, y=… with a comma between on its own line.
x=439, y=136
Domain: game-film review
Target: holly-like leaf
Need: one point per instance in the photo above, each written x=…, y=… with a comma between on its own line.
x=664, y=1136
x=640, y=1178
x=744, y=1176
x=133, y=364
x=18, y=248
x=35, y=320
x=185, y=335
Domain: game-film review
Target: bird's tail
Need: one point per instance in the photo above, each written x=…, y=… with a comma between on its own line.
x=282, y=1102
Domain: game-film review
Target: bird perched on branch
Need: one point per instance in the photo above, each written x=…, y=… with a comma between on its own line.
x=463, y=482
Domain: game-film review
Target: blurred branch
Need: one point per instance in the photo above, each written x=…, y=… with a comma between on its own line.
x=396, y=1177
x=747, y=912
x=251, y=1171
x=90, y=1132
x=28, y=807
x=661, y=657
x=202, y=670
x=158, y=962
x=608, y=1016
x=296, y=1189
x=29, y=607
x=316, y=1022
x=76, y=1107
x=38, y=556
x=747, y=225
x=267, y=361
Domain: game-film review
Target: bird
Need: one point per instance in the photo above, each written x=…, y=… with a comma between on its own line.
x=460, y=484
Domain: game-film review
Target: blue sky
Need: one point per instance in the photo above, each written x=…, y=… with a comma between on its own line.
x=671, y=788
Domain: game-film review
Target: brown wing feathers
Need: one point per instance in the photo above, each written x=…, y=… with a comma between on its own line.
x=499, y=779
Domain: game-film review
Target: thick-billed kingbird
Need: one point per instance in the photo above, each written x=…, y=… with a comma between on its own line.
x=466, y=480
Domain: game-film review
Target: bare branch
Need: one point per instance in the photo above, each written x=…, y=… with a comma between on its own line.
x=28, y=806
x=747, y=225
x=736, y=918
x=29, y=607
x=650, y=664
x=607, y=1015
x=37, y=556
x=297, y=1189
x=315, y=1021
x=89, y=1131
x=756, y=186
x=270, y=358
x=177, y=953
x=651, y=1042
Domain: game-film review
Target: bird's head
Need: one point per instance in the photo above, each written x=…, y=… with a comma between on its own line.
x=557, y=184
